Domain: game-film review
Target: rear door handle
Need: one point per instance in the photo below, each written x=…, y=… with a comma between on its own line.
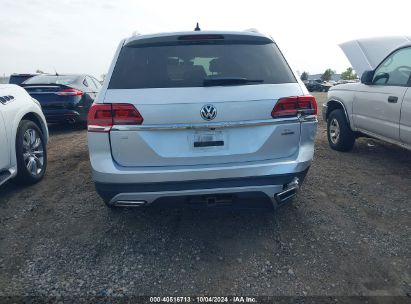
x=393, y=99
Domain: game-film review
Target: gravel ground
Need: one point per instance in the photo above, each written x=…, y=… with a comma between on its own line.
x=347, y=233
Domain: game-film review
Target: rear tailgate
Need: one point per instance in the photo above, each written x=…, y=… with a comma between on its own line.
x=170, y=79
x=173, y=125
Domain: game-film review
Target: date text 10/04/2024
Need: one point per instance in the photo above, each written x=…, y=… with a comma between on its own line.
x=203, y=299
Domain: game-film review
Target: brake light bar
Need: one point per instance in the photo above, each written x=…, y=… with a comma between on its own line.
x=102, y=117
x=201, y=37
x=294, y=106
x=70, y=92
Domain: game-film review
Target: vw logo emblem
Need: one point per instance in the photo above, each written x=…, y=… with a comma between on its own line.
x=208, y=112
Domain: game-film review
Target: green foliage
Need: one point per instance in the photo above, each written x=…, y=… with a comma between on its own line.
x=349, y=74
x=304, y=76
x=327, y=75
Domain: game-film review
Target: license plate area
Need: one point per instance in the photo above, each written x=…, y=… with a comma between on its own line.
x=208, y=139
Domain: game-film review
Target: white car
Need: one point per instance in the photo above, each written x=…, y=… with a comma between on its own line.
x=201, y=116
x=379, y=106
x=23, y=136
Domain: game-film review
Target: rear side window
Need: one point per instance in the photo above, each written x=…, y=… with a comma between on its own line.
x=188, y=65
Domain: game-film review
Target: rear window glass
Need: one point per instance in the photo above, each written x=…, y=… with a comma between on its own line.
x=18, y=79
x=188, y=65
x=52, y=79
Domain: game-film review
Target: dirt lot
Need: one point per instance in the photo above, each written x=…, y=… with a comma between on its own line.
x=348, y=233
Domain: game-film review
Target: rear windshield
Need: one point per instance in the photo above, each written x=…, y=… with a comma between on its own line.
x=18, y=79
x=188, y=65
x=52, y=79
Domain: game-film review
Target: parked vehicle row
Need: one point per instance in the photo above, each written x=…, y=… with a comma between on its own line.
x=25, y=111
x=317, y=85
x=205, y=117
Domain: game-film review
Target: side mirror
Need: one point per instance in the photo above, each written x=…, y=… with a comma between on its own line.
x=367, y=77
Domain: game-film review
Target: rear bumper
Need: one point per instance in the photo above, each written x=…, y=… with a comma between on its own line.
x=148, y=183
x=148, y=193
x=61, y=115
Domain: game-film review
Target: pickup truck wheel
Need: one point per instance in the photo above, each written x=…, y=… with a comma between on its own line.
x=31, y=153
x=339, y=134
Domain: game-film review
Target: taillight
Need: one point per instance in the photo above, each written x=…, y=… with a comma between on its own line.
x=295, y=105
x=126, y=114
x=101, y=117
x=201, y=37
x=70, y=92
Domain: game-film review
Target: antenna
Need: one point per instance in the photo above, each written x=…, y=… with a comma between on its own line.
x=197, y=28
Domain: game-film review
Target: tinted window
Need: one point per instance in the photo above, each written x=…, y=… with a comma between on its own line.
x=166, y=66
x=18, y=79
x=52, y=79
x=395, y=70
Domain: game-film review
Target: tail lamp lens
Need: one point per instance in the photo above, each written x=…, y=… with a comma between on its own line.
x=70, y=92
x=101, y=117
x=295, y=105
x=126, y=114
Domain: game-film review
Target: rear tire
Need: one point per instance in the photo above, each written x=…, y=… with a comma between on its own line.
x=31, y=153
x=339, y=134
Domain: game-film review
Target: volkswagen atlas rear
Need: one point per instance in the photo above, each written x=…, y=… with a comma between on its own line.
x=200, y=116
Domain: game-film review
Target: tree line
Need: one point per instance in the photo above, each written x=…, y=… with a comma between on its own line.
x=348, y=74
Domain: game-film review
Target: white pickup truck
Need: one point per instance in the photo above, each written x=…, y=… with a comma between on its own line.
x=379, y=106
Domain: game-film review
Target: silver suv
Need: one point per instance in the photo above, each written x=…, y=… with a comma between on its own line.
x=207, y=116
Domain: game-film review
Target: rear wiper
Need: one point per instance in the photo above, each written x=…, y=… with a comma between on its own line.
x=221, y=81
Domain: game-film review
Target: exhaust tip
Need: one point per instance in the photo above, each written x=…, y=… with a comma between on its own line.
x=129, y=203
x=285, y=195
x=290, y=190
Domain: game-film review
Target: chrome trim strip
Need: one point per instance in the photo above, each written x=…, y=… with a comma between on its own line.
x=215, y=125
x=40, y=93
x=94, y=128
x=41, y=86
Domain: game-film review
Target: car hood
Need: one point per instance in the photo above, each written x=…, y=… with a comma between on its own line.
x=366, y=54
x=346, y=87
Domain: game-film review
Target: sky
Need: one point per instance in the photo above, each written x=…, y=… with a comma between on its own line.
x=81, y=36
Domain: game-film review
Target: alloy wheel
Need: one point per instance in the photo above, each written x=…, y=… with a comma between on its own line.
x=33, y=152
x=334, y=131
